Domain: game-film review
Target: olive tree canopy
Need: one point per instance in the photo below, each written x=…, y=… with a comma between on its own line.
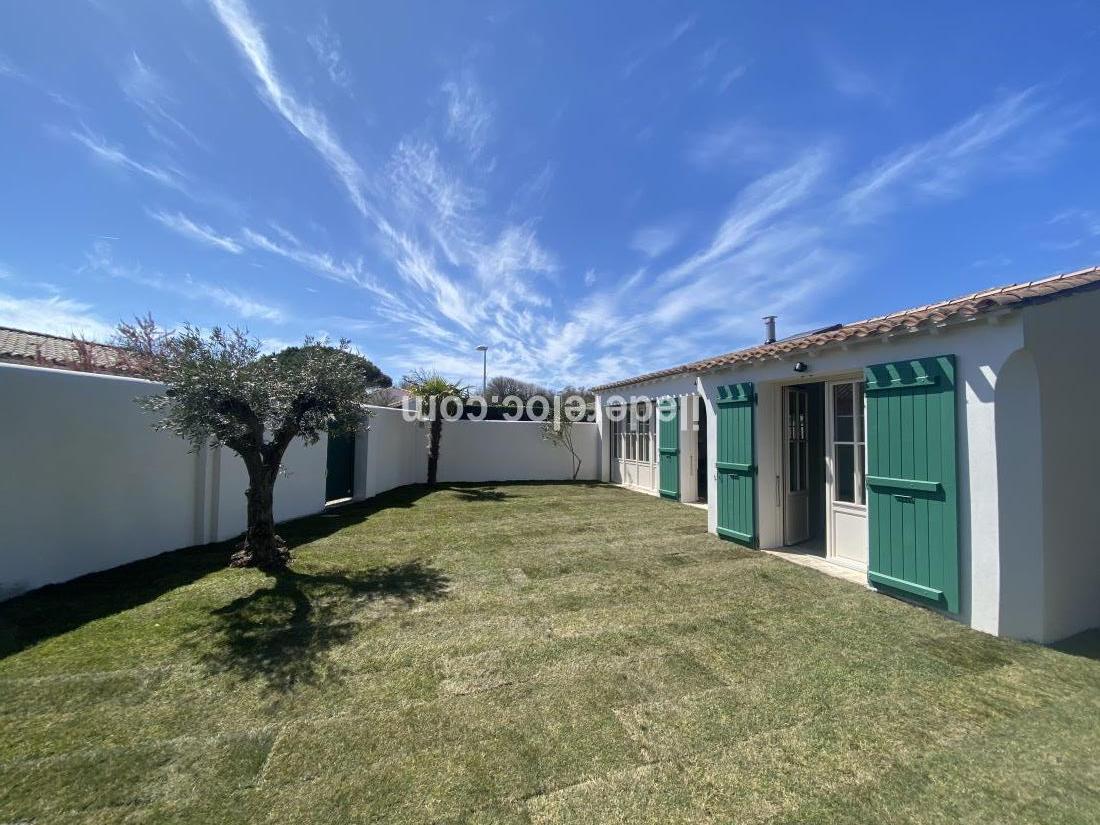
x=221, y=388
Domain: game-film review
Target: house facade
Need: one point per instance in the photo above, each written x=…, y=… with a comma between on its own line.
x=946, y=451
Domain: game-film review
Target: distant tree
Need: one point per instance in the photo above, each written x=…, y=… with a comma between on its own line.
x=560, y=433
x=436, y=391
x=221, y=389
x=585, y=393
x=501, y=386
x=385, y=397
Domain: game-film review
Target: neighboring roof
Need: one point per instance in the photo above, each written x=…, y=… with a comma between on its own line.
x=1011, y=296
x=38, y=349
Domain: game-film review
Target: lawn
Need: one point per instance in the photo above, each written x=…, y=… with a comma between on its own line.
x=526, y=653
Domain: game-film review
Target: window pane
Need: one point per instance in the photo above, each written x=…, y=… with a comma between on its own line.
x=842, y=399
x=792, y=467
x=845, y=472
x=844, y=430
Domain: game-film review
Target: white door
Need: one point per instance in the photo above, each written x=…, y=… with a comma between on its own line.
x=796, y=504
x=845, y=461
x=633, y=451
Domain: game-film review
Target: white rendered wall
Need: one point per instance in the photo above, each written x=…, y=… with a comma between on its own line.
x=299, y=490
x=87, y=484
x=389, y=452
x=1063, y=336
x=511, y=451
x=981, y=348
x=1020, y=491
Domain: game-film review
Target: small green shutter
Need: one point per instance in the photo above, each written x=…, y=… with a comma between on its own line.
x=912, y=507
x=668, y=441
x=736, y=463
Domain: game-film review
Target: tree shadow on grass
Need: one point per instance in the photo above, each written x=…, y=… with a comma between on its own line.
x=478, y=494
x=332, y=519
x=56, y=609
x=283, y=635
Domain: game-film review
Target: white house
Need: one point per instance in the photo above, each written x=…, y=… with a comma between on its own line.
x=950, y=451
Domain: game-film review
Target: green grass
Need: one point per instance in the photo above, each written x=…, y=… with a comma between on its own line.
x=526, y=653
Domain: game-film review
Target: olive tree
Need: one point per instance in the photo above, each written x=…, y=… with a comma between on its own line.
x=222, y=389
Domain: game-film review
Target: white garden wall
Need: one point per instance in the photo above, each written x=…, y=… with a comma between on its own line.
x=512, y=451
x=389, y=452
x=87, y=484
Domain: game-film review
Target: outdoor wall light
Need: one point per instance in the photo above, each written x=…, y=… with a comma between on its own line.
x=801, y=366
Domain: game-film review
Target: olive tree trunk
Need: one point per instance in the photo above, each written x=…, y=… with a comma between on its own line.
x=261, y=546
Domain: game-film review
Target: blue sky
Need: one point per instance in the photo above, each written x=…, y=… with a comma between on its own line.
x=592, y=189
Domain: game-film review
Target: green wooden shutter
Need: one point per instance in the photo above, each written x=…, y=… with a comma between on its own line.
x=668, y=441
x=912, y=506
x=736, y=463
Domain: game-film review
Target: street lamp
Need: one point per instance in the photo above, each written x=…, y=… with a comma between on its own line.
x=484, y=350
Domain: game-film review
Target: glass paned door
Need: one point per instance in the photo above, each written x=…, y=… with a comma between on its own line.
x=796, y=503
x=846, y=463
x=848, y=445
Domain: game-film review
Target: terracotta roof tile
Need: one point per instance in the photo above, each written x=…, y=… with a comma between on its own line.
x=968, y=306
x=38, y=349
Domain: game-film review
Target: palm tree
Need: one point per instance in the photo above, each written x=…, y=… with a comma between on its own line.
x=436, y=391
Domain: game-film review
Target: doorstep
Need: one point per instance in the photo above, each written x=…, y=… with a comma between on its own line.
x=823, y=565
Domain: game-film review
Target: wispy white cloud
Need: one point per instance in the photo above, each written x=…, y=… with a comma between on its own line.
x=469, y=115
x=436, y=202
x=349, y=271
x=947, y=163
x=422, y=185
x=851, y=81
x=329, y=52
x=116, y=156
x=533, y=191
x=657, y=239
x=12, y=71
x=149, y=92
x=181, y=224
x=655, y=46
x=1085, y=220
x=755, y=207
x=732, y=76
x=9, y=69
x=309, y=122
x=419, y=267
x=1073, y=228
x=737, y=143
x=100, y=260
x=241, y=304
x=54, y=315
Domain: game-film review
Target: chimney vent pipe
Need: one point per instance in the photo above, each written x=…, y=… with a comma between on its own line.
x=769, y=329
